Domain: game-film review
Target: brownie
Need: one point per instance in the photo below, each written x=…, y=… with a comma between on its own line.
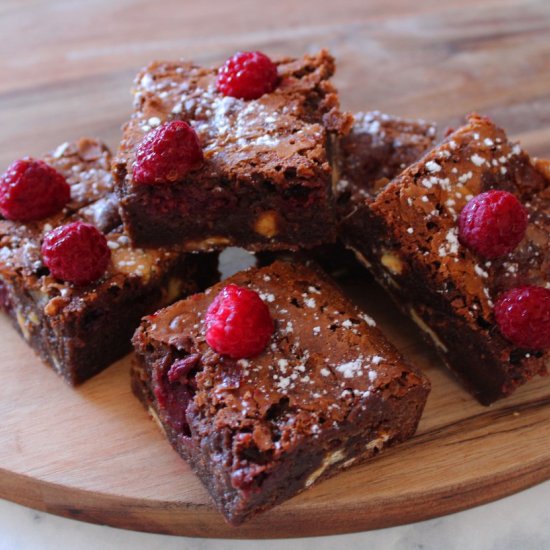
x=81, y=330
x=378, y=148
x=408, y=236
x=266, y=179
x=328, y=391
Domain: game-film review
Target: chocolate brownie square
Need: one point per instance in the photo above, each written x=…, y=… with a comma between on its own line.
x=377, y=149
x=80, y=330
x=409, y=237
x=328, y=390
x=265, y=182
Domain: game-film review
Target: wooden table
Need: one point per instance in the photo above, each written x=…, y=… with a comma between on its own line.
x=66, y=70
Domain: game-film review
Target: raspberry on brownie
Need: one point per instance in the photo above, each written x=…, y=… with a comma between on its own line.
x=461, y=240
x=69, y=280
x=262, y=179
x=247, y=75
x=167, y=154
x=319, y=389
x=492, y=224
x=32, y=190
x=76, y=253
x=238, y=323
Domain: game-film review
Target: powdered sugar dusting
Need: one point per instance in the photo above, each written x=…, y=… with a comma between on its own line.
x=477, y=159
x=433, y=166
x=369, y=320
x=451, y=244
x=351, y=368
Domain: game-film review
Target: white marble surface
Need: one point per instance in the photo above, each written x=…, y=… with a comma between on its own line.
x=519, y=522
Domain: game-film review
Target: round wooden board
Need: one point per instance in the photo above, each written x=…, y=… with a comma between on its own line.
x=93, y=454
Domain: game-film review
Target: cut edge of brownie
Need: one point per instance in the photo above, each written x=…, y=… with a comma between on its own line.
x=309, y=469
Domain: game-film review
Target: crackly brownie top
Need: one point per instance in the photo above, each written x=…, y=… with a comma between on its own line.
x=281, y=136
x=86, y=166
x=325, y=358
x=377, y=149
x=423, y=204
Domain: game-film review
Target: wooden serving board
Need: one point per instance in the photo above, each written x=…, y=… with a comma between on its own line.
x=91, y=453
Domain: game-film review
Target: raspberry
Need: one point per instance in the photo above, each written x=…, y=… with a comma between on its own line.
x=32, y=190
x=492, y=224
x=247, y=75
x=76, y=253
x=238, y=323
x=174, y=394
x=167, y=154
x=182, y=367
x=523, y=316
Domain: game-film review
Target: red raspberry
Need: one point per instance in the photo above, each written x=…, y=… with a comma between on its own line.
x=32, y=190
x=238, y=323
x=492, y=224
x=247, y=75
x=76, y=253
x=167, y=154
x=523, y=316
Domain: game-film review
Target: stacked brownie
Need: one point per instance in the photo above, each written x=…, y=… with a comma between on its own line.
x=377, y=149
x=265, y=178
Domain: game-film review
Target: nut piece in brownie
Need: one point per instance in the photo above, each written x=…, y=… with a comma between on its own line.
x=80, y=328
x=459, y=239
x=327, y=391
x=261, y=177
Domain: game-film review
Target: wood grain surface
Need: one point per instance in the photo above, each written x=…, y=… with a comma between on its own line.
x=91, y=453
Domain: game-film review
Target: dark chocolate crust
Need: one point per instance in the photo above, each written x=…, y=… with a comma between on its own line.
x=328, y=391
x=408, y=237
x=266, y=179
x=79, y=331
